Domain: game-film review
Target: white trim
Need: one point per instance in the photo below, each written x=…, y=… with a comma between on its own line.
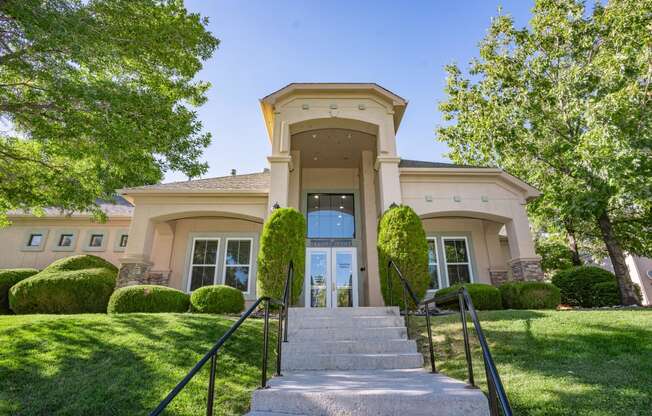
x=307, y=283
x=192, y=255
x=354, y=278
x=331, y=280
x=250, y=265
x=118, y=236
x=438, y=263
x=86, y=244
x=28, y=236
x=468, y=257
x=57, y=240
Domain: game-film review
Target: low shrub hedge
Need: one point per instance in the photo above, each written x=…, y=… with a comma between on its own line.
x=217, y=299
x=606, y=294
x=577, y=284
x=82, y=261
x=8, y=278
x=71, y=291
x=148, y=298
x=530, y=295
x=484, y=297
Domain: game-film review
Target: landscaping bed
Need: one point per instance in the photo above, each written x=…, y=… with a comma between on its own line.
x=124, y=364
x=595, y=363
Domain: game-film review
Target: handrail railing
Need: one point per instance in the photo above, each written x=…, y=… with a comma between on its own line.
x=212, y=355
x=497, y=395
x=287, y=297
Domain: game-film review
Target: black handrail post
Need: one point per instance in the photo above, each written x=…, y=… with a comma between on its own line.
x=288, y=298
x=467, y=346
x=279, y=340
x=265, y=344
x=432, y=351
x=389, y=283
x=211, y=386
x=493, y=399
x=407, y=315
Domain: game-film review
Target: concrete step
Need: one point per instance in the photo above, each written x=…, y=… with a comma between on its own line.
x=294, y=362
x=349, y=347
x=413, y=392
x=346, y=322
x=346, y=333
x=361, y=311
x=273, y=414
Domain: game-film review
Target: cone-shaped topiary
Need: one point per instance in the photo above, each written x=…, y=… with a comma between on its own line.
x=283, y=239
x=217, y=299
x=8, y=278
x=401, y=238
x=67, y=291
x=148, y=298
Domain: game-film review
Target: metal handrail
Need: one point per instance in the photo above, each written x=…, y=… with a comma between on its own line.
x=212, y=356
x=287, y=297
x=497, y=394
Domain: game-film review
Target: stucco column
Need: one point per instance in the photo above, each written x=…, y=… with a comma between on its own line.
x=135, y=263
x=294, y=187
x=389, y=183
x=279, y=167
x=524, y=263
x=497, y=270
x=374, y=294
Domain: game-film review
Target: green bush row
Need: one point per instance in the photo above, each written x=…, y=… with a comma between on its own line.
x=512, y=295
x=587, y=286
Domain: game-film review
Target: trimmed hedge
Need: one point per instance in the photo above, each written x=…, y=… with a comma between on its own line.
x=217, y=299
x=72, y=291
x=577, y=284
x=79, y=262
x=8, y=278
x=283, y=239
x=148, y=298
x=606, y=294
x=484, y=297
x=401, y=238
x=530, y=295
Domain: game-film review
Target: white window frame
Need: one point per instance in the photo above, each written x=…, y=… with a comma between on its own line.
x=28, y=236
x=87, y=240
x=57, y=240
x=192, y=256
x=118, y=237
x=250, y=265
x=438, y=264
x=468, y=257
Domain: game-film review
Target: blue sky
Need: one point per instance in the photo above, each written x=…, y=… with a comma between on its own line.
x=402, y=46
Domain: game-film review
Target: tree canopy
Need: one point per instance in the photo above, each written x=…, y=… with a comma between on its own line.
x=565, y=104
x=97, y=95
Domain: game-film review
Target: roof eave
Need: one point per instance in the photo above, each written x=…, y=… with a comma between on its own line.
x=221, y=192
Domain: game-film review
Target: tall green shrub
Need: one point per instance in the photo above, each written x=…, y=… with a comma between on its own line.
x=8, y=278
x=401, y=238
x=577, y=284
x=484, y=297
x=283, y=240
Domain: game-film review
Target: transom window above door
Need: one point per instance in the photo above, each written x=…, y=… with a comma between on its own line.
x=331, y=215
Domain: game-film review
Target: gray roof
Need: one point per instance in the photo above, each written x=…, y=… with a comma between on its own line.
x=247, y=182
x=119, y=207
x=407, y=163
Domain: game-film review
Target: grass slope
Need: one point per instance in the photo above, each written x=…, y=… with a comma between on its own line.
x=587, y=363
x=123, y=364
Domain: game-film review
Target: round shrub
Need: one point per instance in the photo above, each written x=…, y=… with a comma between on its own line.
x=483, y=296
x=82, y=261
x=401, y=238
x=72, y=291
x=217, y=299
x=530, y=295
x=576, y=284
x=283, y=239
x=148, y=298
x=8, y=278
x=606, y=294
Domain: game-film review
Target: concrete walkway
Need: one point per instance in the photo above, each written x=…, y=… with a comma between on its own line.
x=358, y=361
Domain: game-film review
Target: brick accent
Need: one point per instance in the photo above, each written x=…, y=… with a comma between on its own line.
x=139, y=274
x=526, y=269
x=498, y=276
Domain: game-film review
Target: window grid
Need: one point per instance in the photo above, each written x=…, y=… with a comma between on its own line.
x=203, y=264
x=229, y=265
x=466, y=263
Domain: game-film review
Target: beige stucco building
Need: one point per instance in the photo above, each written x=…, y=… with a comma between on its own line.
x=334, y=158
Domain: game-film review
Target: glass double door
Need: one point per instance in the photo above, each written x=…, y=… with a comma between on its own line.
x=331, y=277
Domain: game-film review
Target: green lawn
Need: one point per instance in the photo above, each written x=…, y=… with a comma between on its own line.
x=558, y=363
x=123, y=364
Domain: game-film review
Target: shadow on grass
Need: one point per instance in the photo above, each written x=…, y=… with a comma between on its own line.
x=559, y=363
x=123, y=365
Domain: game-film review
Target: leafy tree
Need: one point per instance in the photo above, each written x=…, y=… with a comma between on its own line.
x=555, y=254
x=96, y=95
x=565, y=104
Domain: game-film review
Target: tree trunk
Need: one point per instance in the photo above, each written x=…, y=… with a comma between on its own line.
x=627, y=293
x=572, y=245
